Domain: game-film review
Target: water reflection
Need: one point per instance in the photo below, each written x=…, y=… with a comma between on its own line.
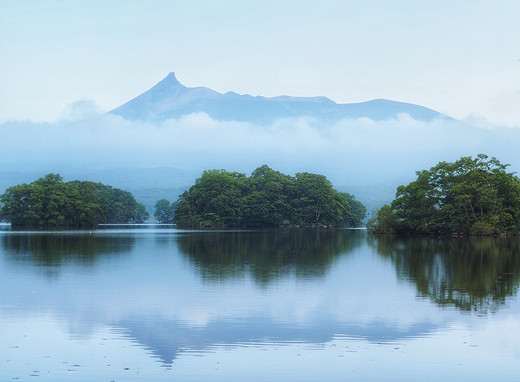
x=267, y=255
x=168, y=339
x=288, y=289
x=52, y=249
x=472, y=274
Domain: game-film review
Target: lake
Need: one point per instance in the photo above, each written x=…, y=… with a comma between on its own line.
x=155, y=303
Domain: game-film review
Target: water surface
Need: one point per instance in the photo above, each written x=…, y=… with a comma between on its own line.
x=156, y=303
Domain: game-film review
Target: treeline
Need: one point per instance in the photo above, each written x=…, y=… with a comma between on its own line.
x=51, y=203
x=268, y=198
x=472, y=196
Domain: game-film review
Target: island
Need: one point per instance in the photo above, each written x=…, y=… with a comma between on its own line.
x=49, y=202
x=267, y=198
x=472, y=196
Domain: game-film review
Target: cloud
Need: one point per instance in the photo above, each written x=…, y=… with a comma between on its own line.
x=350, y=151
x=479, y=120
x=79, y=111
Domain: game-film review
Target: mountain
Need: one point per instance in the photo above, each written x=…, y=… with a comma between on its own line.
x=170, y=99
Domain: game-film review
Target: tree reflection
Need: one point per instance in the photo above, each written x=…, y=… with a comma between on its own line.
x=472, y=274
x=54, y=249
x=266, y=254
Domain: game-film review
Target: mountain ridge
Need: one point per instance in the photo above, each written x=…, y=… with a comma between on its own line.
x=171, y=99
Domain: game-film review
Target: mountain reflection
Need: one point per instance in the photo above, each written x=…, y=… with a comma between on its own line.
x=267, y=255
x=472, y=274
x=167, y=339
x=54, y=249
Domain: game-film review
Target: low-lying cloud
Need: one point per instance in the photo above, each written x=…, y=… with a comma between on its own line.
x=352, y=151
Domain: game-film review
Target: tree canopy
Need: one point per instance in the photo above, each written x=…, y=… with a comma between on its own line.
x=164, y=211
x=472, y=196
x=51, y=203
x=267, y=198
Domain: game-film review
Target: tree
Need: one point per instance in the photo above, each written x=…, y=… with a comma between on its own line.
x=384, y=221
x=164, y=211
x=317, y=202
x=265, y=199
x=141, y=214
x=216, y=199
x=49, y=202
x=121, y=206
x=473, y=196
x=358, y=211
x=86, y=206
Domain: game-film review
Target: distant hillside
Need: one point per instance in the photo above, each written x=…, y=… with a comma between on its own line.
x=170, y=99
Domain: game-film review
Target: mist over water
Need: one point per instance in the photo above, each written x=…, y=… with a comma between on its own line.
x=352, y=153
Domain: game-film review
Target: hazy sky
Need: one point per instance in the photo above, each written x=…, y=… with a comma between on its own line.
x=458, y=57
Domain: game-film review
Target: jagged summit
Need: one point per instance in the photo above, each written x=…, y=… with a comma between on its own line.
x=170, y=80
x=171, y=99
x=167, y=85
x=171, y=77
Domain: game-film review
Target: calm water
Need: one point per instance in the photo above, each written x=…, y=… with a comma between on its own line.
x=159, y=304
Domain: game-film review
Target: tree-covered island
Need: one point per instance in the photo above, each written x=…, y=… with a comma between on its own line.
x=51, y=203
x=267, y=198
x=472, y=196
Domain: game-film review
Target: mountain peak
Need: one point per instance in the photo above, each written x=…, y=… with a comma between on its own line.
x=170, y=81
x=171, y=99
x=171, y=77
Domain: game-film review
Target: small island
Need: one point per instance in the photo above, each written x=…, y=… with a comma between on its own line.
x=472, y=196
x=51, y=203
x=267, y=198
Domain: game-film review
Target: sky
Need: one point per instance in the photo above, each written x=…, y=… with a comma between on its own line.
x=461, y=58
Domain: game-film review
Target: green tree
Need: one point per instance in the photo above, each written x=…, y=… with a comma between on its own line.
x=121, y=206
x=473, y=196
x=317, y=202
x=86, y=206
x=358, y=211
x=384, y=221
x=267, y=198
x=216, y=199
x=141, y=214
x=49, y=202
x=164, y=211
